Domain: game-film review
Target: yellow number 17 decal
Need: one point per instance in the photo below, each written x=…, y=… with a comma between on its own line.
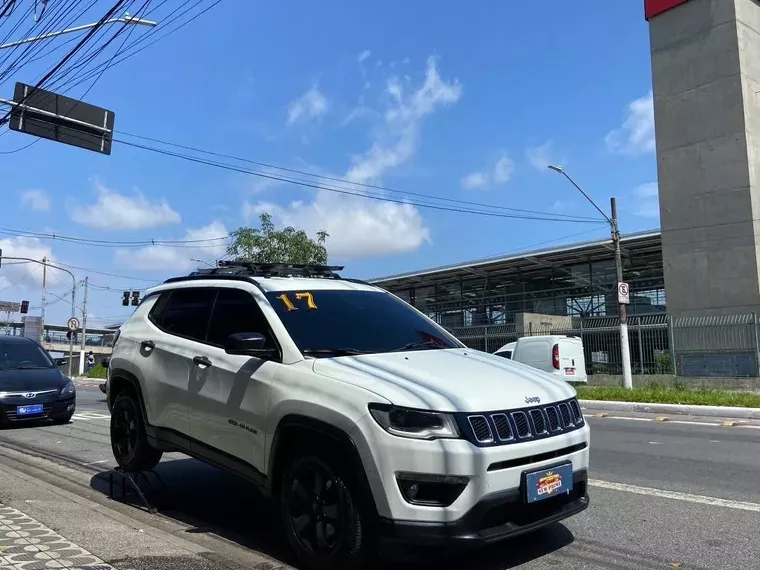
x=299, y=297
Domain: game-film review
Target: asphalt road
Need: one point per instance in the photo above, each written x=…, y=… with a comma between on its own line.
x=664, y=495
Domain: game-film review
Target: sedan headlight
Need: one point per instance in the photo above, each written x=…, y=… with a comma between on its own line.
x=68, y=389
x=416, y=424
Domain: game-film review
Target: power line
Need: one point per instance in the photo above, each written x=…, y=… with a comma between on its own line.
x=145, y=36
x=115, y=243
x=68, y=56
x=346, y=181
x=545, y=217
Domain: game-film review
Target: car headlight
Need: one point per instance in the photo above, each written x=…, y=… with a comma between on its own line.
x=416, y=424
x=68, y=389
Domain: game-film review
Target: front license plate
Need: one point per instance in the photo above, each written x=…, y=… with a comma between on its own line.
x=547, y=483
x=29, y=410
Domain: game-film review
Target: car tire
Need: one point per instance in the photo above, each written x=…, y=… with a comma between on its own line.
x=315, y=494
x=129, y=443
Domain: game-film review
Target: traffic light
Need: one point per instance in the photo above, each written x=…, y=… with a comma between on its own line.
x=24, y=307
x=135, y=298
x=125, y=298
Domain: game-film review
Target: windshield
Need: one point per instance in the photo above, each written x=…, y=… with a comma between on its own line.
x=339, y=322
x=23, y=355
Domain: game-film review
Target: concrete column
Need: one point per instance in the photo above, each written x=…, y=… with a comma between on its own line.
x=706, y=87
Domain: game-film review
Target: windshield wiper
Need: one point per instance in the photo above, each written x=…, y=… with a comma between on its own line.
x=415, y=345
x=332, y=351
x=28, y=366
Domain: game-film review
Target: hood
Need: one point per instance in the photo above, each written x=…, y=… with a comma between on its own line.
x=31, y=380
x=447, y=380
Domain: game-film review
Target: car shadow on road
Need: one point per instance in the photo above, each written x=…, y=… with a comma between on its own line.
x=209, y=500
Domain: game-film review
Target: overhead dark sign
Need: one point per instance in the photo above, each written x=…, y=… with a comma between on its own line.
x=62, y=119
x=654, y=7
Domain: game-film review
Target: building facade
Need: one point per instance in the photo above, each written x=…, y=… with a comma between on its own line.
x=576, y=280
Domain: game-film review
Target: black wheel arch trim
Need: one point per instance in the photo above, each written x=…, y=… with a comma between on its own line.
x=339, y=436
x=119, y=375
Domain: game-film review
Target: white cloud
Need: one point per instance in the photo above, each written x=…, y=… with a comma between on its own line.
x=636, y=134
x=540, y=157
x=503, y=169
x=181, y=256
x=475, y=180
x=36, y=200
x=501, y=173
x=360, y=226
x=647, y=200
x=116, y=211
x=310, y=105
x=16, y=277
x=363, y=56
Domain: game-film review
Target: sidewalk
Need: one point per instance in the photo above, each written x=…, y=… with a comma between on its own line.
x=44, y=525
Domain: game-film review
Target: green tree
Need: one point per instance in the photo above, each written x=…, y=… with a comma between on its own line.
x=266, y=244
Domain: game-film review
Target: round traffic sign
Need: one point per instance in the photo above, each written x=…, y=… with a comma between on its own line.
x=73, y=323
x=623, y=289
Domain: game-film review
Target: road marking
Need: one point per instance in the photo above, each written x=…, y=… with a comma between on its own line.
x=87, y=416
x=688, y=497
x=95, y=462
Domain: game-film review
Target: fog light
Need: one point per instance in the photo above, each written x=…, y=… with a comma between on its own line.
x=69, y=407
x=431, y=490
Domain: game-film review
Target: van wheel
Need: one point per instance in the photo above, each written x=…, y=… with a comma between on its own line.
x=321, y=515
x=129, y=443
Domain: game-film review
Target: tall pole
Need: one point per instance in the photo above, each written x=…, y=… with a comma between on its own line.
x=73, y=314
x=44, y=298
x=84, y=328
x=625, y=349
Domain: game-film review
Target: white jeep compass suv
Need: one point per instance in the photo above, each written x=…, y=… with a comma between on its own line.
x=364, y=419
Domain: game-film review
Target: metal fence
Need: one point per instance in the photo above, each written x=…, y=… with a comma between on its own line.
x=720, y=346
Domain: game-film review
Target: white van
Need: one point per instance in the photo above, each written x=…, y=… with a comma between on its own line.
x=561, y=355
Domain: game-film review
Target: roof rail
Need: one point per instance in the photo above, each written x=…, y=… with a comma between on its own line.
x=251, y=269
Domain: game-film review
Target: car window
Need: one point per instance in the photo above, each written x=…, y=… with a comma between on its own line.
x=365, y=321
x=23, y=355
x=236, y=311
x=187, y=313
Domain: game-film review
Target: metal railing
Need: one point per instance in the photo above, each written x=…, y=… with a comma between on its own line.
x=720, y=346
x=54, y=337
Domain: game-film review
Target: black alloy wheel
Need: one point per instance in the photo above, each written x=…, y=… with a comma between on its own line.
x=128, y=442
x=321, y=518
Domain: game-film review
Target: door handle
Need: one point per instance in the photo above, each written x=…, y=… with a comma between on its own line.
x=202, y=361
x=148, y=344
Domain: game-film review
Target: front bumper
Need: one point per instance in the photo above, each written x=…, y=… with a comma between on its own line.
x=51, y=410
x=495, y=518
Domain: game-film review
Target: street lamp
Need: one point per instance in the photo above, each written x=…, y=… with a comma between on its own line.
x=625, y=350
x=45, y=264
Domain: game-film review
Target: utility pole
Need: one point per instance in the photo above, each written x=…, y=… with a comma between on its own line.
x=84, y=328
x=44, y=298
x=625, y=349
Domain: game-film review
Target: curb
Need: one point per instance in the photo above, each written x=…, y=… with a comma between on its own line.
x=675, y=409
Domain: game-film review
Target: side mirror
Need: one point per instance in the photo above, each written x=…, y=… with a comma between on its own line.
x=105, y=362
x=247, y=344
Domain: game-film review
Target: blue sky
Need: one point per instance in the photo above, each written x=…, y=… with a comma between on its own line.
x=465, y=101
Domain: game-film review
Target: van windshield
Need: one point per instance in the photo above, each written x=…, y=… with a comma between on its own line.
x=340, y=323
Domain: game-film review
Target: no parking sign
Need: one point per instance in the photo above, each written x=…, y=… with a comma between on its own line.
x=623, y=294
